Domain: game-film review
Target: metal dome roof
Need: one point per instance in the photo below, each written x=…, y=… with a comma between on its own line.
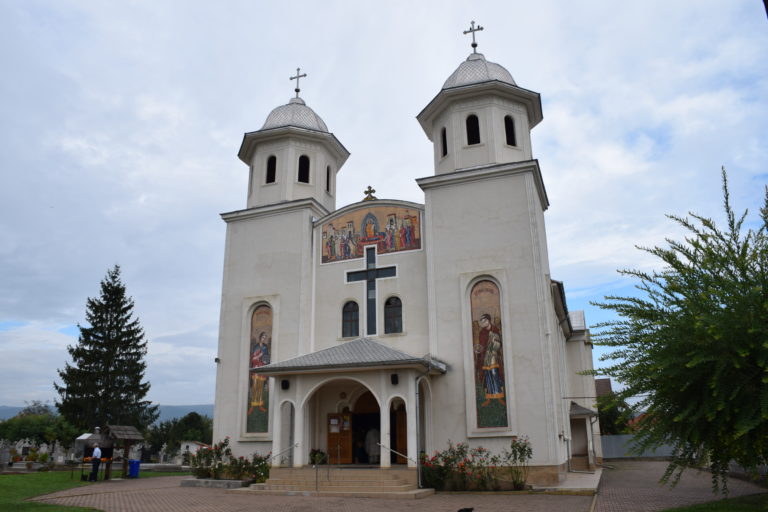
x=476, y=70
x=295, y=113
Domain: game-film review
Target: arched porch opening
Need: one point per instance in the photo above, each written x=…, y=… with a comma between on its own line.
x=287, y=440
x=398, y=431
x=344, y=423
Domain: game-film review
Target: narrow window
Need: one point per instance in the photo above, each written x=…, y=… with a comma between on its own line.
x=304, y=169
x=350, y=319
x=509, y=128
x=393, y=315
x=271, y=169
x=473, y=130
x=443, y=142
x=250, y=181
x=328, y=179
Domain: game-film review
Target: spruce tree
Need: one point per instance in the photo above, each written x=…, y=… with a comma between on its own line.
x=103, y=385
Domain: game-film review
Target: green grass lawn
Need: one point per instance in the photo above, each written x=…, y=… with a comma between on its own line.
x=14, y=489
x=754, y=503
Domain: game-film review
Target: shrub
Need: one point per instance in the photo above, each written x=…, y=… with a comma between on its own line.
x=317, y=457
x=516, y=460
x=218, y=463
x=460, y=468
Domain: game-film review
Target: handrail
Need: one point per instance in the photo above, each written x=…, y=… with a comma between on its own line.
x=397, y=453
x=316, y=467
x=294, y=445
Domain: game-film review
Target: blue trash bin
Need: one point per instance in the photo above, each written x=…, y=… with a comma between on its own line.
x=133, y=468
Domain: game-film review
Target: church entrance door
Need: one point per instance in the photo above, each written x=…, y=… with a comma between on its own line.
x=340, y=438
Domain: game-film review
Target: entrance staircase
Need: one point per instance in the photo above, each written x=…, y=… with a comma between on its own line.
x=342, y=481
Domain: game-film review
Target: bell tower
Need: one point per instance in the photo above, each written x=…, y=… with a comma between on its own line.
x=480, y=116
x=293, y=156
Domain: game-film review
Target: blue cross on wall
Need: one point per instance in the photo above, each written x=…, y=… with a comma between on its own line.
x=370, y=275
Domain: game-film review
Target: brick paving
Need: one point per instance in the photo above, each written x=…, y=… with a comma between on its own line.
x=630, y=487
x=165, y=494
x=633, y=486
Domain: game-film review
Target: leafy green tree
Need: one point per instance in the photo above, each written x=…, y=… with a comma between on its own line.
x=103, y=385
x=38, y=424
x=613, y=413
x=192, y=427
x=693, y=346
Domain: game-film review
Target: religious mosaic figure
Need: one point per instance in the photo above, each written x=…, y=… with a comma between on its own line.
x=490, y=347
x=488, y=350
x=257, y=414
x=390, y=228
x=259, y=358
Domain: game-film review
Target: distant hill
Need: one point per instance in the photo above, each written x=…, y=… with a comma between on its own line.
x=167, y=412
x=8, y=411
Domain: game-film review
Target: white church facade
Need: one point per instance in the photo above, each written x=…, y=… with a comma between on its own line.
x=408, y=324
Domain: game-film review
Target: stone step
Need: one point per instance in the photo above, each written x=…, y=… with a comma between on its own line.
x=322, y=481
x=402, y=495
x=322, y=475
x=342, y=488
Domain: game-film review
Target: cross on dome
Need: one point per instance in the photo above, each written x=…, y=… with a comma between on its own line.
x=472, y=30
x=369, y=194
x=298, y=75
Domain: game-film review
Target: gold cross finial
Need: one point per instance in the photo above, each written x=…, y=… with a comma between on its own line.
x=472, y=30
x=369, y=194
x=298, y=70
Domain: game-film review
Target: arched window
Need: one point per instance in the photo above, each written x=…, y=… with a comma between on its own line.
x=509, y=128
x=303, y=169
x=393, y=315
x=350, y=319
x=271, y=169
x=328, y=178
x=443, y=143
x=473, y=130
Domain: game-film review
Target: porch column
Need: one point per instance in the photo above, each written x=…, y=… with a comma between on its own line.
x=385, y=460
x=300, y=451
x=410, y=424
x=277, y=431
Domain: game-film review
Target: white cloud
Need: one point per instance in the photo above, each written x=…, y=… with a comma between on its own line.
x=120, y=128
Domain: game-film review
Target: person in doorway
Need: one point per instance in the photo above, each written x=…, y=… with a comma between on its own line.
x=95, y=461
x=372, y=447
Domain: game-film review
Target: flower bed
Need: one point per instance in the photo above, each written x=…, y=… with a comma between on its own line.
x=217, y=463
x=461, y=468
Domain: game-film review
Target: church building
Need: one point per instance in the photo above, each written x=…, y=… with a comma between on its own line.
x=384, y=329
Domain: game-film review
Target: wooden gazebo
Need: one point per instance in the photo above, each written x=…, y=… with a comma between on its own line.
x=126, y=436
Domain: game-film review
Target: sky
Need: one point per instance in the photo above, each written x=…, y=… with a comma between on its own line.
x=120, y=124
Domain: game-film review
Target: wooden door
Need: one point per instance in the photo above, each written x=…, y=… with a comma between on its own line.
x=340, y=438
x=401, y=435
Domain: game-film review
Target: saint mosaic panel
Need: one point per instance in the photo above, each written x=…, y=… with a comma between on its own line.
x=487, y=344
x=391, y=228
x=257, y=415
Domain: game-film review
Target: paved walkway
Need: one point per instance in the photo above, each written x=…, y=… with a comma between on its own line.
x=631, y=487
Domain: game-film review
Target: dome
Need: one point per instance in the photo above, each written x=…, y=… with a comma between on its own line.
x=476, y=70
x=294, y=113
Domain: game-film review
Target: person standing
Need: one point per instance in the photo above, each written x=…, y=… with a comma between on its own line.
x=95, y=461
